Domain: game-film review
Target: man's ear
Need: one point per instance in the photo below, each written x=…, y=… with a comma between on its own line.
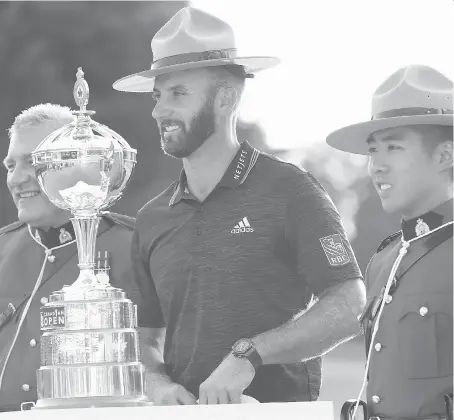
x=228, y=99
x=443, y=154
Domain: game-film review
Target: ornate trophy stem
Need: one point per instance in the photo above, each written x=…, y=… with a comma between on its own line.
x=86, y=228
x=89, y=344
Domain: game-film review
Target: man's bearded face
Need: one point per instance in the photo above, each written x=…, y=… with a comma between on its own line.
x=184, y=111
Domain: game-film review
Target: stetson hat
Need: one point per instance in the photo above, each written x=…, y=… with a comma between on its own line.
x=191, y=39
x=413, y=95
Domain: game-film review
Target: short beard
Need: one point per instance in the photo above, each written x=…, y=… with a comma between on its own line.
x=201, y=128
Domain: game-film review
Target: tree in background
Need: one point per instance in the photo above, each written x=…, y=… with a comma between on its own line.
x=41, y=46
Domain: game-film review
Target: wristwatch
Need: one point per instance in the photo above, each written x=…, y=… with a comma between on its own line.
x=244, y=348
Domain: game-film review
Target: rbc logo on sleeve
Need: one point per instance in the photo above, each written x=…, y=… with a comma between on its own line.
x=334, y=250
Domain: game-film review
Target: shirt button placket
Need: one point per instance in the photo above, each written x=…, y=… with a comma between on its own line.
x=198, y=230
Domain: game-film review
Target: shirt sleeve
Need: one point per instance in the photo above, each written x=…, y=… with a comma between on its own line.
x=148, y=308
x=316, y=238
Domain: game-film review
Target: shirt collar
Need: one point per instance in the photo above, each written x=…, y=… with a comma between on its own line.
x=428, y=221
x=235, y=175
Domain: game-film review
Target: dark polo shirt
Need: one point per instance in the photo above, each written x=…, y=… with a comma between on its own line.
x=244, y=261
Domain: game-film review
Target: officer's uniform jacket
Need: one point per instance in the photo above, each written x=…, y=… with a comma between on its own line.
x=412, y=356
x=22, y=255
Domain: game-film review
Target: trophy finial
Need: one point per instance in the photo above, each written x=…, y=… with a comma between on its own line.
x=81, y=91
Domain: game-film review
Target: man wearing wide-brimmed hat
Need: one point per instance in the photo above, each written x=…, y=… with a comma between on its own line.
x=229, y=255
x=408, y=316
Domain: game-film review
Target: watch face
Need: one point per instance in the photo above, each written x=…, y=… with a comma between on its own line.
x=242, y=346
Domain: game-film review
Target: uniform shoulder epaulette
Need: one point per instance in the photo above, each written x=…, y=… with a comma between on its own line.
x=388, y=240
x=11, y=227
x=120, y=219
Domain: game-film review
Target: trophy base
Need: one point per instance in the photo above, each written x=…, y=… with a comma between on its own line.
x=90, y=402
x=113, y=381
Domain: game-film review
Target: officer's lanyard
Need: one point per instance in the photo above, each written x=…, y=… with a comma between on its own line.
x=19, y=306
x=400, y=256
x=47, y=253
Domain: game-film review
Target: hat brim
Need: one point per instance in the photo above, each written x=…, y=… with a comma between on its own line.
x=353, y=138
x=144, y=81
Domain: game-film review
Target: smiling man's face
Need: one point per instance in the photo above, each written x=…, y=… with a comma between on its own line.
x=184, y=110
x=405, y=174
x=33, y=207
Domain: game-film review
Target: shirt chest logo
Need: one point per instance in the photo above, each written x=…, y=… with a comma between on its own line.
x=242, y=227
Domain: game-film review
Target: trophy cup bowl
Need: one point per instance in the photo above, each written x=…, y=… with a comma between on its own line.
x=90, y=353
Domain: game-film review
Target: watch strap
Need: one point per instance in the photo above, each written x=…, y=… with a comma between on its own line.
x=250, y=352
x=255, y=358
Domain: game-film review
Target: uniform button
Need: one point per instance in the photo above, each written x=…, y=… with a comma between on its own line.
x=26, y=387
x=375, y=399
x=32, y=342
x=51, y=258
x=44, y=300
x=389, y=299
x=423, y=311
x=197, y=232
x=200, y=209
x=378, y=347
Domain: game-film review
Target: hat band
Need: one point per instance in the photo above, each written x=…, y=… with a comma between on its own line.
x=194, y=57
x=406, y=112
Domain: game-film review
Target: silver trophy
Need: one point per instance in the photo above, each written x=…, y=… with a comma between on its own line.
x=89, y=346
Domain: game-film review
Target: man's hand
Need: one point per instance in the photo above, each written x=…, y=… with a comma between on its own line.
x=227, y=383
x=172, y=394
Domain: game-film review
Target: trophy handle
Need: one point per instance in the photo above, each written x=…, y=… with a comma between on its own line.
x=86, y=229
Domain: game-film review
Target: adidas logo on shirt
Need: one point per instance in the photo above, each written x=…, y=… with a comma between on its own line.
x=242, y=227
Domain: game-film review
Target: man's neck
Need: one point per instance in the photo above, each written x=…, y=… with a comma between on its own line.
x=207, y=165
x=431, y=203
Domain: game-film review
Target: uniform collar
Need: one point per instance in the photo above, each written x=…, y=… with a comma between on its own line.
x=428, y=221
x=60, y=236
x=235, y=175
x=54, y=236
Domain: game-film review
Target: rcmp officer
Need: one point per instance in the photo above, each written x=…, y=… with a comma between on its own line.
x=43, y=240
x=408, y=316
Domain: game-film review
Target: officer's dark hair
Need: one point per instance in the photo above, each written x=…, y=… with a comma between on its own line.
x=434, y=135
x=41, y=114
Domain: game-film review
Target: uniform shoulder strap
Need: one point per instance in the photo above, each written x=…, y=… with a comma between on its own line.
x=391, y=238
x=11, y=227
x=120, y=219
